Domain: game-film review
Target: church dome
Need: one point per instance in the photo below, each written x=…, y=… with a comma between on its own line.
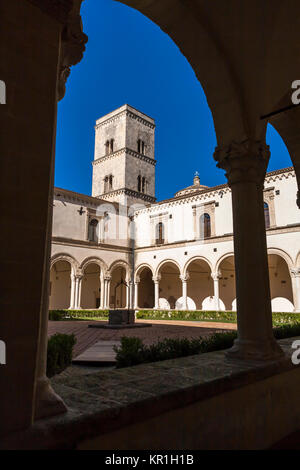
x=192, y=189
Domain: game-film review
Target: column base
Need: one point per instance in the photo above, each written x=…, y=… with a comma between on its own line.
x=267, y=350
x=47, y=403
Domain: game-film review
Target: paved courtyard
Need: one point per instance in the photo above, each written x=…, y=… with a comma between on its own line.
x=86, y=337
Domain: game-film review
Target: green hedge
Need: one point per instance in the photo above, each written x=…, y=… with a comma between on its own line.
x=210, y=315
x=132, y=351
x=59, y=315
x=186, y=315
x=59, y=353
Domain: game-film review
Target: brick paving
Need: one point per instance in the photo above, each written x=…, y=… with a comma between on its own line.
x=160, y=329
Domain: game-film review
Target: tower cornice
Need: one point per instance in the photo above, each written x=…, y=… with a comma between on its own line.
x=128, y=151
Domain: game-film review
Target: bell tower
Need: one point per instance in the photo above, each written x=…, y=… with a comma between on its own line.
x=124, y=164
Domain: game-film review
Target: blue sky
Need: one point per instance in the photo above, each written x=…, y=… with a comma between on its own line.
x=128, y=59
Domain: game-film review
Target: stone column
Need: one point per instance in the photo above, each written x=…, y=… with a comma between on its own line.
x=156, y=291
x=128, y=290
x=78, y=291
x=245, y=164
x=216, y=277
x=102, y=292
x=295, y=276
x=136, y=292
x=107, y=291
x=72, y=296
x=184, y=279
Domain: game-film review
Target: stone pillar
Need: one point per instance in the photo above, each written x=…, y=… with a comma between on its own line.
x=78, y=283
x=128, y=290
x=107, y=292
x=184, y=279
x=245, y=164
x=156, y=291
x=295, y=276
x=136, y=292
x=72, y=296
x=216, y=277
x=102, y=292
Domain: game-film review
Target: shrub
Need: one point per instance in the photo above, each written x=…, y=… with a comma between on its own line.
x=57, y=315
x=59, y=353
x=132, y=351
x=279, y=318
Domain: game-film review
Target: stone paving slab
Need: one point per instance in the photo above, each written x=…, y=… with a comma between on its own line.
x=86, y=337
x=101, y=353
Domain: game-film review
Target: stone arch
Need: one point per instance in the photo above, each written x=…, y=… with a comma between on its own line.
x=120, y=276
x=94, y=260
x=65, y=257
x=145, y=286
x=280, y=278
x=123, y=264
x=198, y=274
x=62, y=267
x=170, y=286
x=283, y=254
x=225, y=269
x=298, y=260
x=140, y=268
x=165, y=261
x=195, y=258
x=222, y=258
x=208, y=58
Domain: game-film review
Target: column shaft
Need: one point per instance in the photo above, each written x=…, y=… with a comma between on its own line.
x=246, y=164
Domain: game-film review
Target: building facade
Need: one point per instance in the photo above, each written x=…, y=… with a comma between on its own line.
x=121, y=248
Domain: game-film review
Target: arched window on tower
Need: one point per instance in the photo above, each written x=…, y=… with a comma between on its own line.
x=107, y=147
x=143, y=184
x=110, y=182
x=205, y=227
x=160, y=233
x=139, y=183
x=105, y=184
x=267, y=215
x=141, y=146
x=93, y=230
x=111, y=145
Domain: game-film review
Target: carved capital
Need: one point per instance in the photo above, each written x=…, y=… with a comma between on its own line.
x=107, y=277
x=244, y=161
x=73, y=42
x=184, y=277
x=137, y=279
x=157, y=278
x=216, y=275
x=295, y=272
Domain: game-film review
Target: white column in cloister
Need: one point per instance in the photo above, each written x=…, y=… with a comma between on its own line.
x=107, y=291
x=216, y=276
x=295, y=276
x=128, y=290
x=136, y=292
x=156, y=290
x=246, y=164
x=184, y=278
x=79, y=285
x=102, y=288
x=72, y=295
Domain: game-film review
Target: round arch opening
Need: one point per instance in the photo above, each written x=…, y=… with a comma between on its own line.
x=60, y=285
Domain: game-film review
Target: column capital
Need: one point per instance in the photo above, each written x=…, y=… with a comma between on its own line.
x=156, y=278
x=184, y=277
x=295, y=272
x=216, y=275
x=137, y=279
x=107, y=277
x=244, y=161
